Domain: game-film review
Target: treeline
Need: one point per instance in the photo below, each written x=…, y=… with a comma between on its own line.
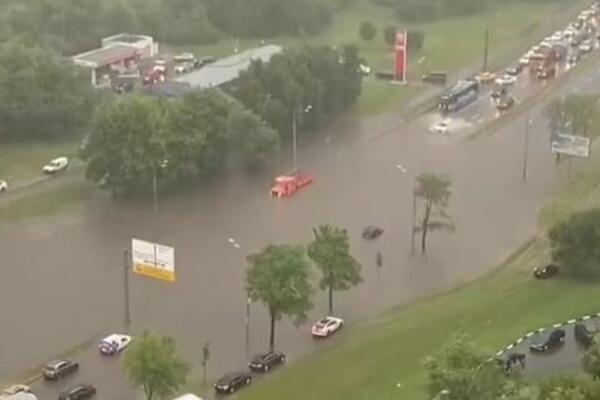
x=136, y=139
x=431, y=10
x=72, y=26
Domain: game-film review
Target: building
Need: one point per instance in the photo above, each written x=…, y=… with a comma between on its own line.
x=117, y=52
x=227, y=69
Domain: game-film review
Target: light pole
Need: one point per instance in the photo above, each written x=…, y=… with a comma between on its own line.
x=126, y=310
x=163, y=164
x=237, y=246
x=294, y=135
x=526, y=146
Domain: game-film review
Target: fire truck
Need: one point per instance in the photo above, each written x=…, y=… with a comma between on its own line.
x=286, y=185
x=542, y=65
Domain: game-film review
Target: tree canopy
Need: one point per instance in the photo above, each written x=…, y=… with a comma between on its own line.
x=330, y=251
x=152, y=362
x=574, y=114
x=279, y=276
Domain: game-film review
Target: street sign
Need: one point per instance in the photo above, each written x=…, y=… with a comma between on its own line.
x=153, y=260
x=570, y=145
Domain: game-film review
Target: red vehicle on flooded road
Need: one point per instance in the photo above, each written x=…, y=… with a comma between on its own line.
x=286, y=185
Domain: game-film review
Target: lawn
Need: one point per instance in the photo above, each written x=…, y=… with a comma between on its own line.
x=449, y=44
x=368, y=362
x=21, y=163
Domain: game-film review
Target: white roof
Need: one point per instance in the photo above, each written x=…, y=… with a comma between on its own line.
x=188, y=396
x=20, y=396
x=227, y=69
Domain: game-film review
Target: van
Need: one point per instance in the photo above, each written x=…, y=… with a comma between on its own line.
x=188, y=396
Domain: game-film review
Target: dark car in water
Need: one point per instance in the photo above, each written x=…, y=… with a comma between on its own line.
x=266, y=361
x=545, y=342
x=510, y=360
x=545, y=272
x=79, y=392
x=372, y=232
x=583, y=335
x=232, y=381
x=59, y=368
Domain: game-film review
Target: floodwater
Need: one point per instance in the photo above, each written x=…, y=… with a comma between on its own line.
x=62, y=278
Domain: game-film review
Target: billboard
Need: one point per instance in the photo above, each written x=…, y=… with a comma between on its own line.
x=400, y=56
x=570, y=145
x=153, y=260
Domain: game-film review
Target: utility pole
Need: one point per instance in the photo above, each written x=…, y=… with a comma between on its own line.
x=126, y=264
x=294, y=150
x=248, y=302
x=486, y=48
x=414, y=220
x=155, y=190
x=526, y=146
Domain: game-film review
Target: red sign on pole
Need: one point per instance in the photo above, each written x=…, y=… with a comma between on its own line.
x=401, y=54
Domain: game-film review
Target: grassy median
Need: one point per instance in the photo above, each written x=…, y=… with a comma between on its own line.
x=384, y=359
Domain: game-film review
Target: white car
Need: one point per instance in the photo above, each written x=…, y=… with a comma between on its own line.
x=114, y=343
x=14, y=389
x=184, y=57
x=3, y=186
x=57, y=165
x=506, y=80
x=440, y=127
x=327, y=326
x=184, y=67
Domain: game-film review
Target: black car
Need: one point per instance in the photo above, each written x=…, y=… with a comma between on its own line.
x=554, y=339
x=233, y=381
x=59, y=368
x=545, y=272
x=202, y=61
x=583, y=335
x=264, y=362
x=79, y=392
x=372, y=232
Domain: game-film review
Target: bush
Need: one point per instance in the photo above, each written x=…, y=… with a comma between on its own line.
x=416, y=39
x=575, y=245
x=389, y=34
x=367, y=31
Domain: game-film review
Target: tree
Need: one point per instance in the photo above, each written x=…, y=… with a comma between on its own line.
x=574, y=245
x=574, y=114
x=204, y=361
x=279, y=276
x=389, y=34
x=367, y=31
x=330, y=251
x=434, y=190
x=591, y=360
x=569, y=387
x=465, y=373
x=152, y=362
x=416, y=39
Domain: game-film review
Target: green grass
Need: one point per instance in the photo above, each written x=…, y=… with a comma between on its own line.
x=449, y=44
x=50, y=202
x=367, y=362
x=21, y=163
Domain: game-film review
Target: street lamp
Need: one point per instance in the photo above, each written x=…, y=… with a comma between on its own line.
x=163, y=164
x=237, y=246
x=305, y=110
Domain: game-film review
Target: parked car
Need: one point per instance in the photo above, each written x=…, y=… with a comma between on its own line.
x=188, y=396
x=232, y=381
x=549, y=341
x=545, y=272
x=184, y=67
x=57, y=165
x=59, y=368
x=266, y=361
x=583, y=335
x=327, y=326
x=114, y=344
x=184, y=57
x=3, y=186
x=79, y=392
x=372, y=232
x=14, y=389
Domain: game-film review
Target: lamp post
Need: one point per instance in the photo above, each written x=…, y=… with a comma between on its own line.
x=237, y=246
x=526, y=146
x=305, y=110
x=163, y=164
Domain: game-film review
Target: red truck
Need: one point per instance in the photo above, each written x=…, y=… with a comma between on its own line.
x=543, y=64
x=286, y=185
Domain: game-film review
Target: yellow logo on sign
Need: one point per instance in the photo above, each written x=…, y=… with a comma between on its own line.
x=153, y=271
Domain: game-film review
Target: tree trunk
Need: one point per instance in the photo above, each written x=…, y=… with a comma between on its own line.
x=425, y=228
x=149, y=393
x=330, y=299
x=272, y=336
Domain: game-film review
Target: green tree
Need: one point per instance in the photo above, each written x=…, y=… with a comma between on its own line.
x=279, y=276
x=416, y=39
x=434, y=190
x=367, y=31
x=465, y=373
x=126, y=146
x=389, y=34
x=569, y=387
x=330, y=251
x=591, y=360
x=574, y=114
x=152, y=362
x=574, y=245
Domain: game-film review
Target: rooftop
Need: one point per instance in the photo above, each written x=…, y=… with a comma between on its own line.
x=227, y=69
x=104, y=56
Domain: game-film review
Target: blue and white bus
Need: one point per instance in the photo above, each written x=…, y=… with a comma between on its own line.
x=460, y=95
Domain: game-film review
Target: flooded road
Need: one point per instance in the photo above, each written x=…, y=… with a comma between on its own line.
x=63, y=276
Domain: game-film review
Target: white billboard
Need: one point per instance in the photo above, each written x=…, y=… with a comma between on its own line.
x=153, y=260
x=571, y=145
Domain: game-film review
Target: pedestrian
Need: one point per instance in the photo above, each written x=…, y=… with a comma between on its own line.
x=379, y=260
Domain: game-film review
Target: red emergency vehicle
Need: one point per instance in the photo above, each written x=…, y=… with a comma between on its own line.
x=286, y=185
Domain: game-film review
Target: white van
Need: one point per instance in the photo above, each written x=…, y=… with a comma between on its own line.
x=20, y=396
x=188, y=396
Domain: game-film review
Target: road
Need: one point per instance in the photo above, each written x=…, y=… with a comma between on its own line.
x=70, y=267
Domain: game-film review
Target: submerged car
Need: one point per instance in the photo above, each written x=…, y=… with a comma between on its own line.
x=545, y=272
x=372, y=232
x=264, y=362
x=545, y=342
x=583, y=335
x=114, y=343
x=79, y=392
x=14, y=389
x=59, y=368
x=327, y=326
x=505, y=102
x=232, y=381
x=440, y=127
x=57, y=165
